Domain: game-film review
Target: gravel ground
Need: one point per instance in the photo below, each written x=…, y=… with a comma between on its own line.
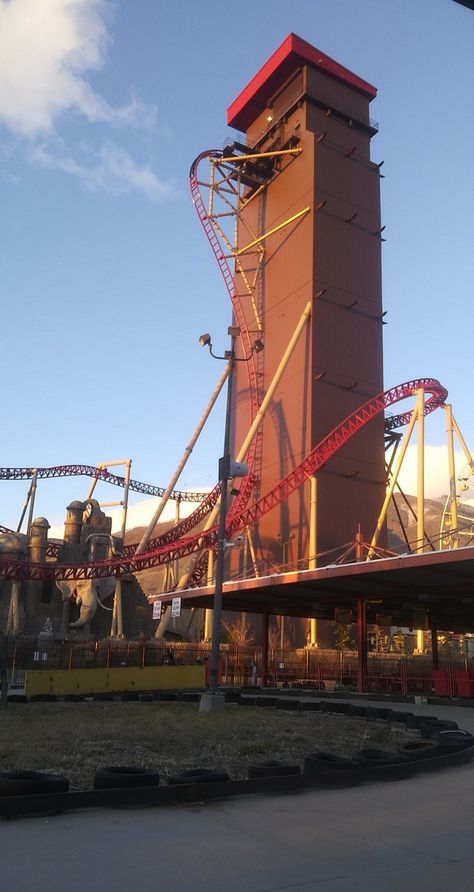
x=76, y=738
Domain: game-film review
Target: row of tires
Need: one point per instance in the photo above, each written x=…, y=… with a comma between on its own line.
x=127, y=696
x=436, y=743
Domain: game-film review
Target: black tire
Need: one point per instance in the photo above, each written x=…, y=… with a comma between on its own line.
x=145, y=698
x=31, y=783
x=452, y=741
x=308, y=706
x=400, y=718
x=287, y=703
x=273, y=768
x=420, y=749
x=417, y=721
x=189, y=697
x=317, y=763
x=247, y=701
x=43, y=698
x=73, y=698
x=356, y=711
x=231, y=696
x=103, y=698
x=165, y=696
x=334, y=707
x=129, y=697
x=17, y=698
x=372, y=757
x=266, y=702
x=199, y=776
x=430, y=729
x=117, y=777
x=378, y=713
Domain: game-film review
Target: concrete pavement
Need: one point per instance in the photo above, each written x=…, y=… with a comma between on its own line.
x=414, y=834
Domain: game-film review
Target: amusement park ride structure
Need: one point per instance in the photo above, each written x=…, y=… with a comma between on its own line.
x=291, y=212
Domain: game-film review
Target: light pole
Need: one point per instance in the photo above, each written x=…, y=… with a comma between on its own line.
x=228, y=469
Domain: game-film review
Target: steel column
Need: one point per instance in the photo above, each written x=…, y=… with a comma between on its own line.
x=265, y=623
x=362, y=645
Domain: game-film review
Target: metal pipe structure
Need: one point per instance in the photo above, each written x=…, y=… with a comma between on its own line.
x=255, y=424
x=221, y=541
x=420, y=496
x=312, y=563
x=117, y=615
x=27, y=500
x=465, y=447
x=187, y=452
x=420, y=490
x=34, y=483
x=392, y=484
x=262, y=238
x=362, y=645
x=454, y=537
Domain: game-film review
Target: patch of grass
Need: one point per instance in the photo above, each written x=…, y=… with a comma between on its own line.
x=76, y=738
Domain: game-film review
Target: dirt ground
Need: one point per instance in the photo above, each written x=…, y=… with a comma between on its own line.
x=76, y=738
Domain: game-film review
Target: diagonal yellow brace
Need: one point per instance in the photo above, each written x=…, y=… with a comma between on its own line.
x=266, y=235
x=236, y=159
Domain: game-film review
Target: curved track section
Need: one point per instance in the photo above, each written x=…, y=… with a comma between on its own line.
x=328, y=447
x=98, y=474
x=211, y=156
x=337, y=438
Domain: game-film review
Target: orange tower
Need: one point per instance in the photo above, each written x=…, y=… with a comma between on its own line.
x=324, y=189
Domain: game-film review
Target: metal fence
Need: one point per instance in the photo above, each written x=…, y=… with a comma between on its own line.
x=310, y=668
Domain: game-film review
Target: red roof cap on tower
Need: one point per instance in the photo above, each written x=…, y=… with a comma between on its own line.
x=290, y=55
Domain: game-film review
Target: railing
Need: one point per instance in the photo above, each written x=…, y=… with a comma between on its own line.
x=310, y=668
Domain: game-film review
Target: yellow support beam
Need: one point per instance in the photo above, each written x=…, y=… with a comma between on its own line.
x=275, y=229
x=236, y=159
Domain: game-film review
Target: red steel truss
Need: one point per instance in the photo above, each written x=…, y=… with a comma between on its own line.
x=14, y=569
x=147, y=489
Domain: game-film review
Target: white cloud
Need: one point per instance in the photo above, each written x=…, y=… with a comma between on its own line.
x=436, y=470
x=107, y=167
x=46, y=49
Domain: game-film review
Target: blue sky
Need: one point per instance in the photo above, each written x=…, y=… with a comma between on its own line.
x=107, y=280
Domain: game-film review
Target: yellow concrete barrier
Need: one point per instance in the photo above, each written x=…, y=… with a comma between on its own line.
x=109, y=681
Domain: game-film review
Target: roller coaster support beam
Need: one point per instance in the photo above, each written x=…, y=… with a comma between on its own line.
x=420, y=498
x=30, y=500
x=256, y=423
x=392, y=484
x=214, y=700
x=275, y=229
x=117, y=614
x=453, y=508
x=313, y=507
x=265, y=624
x=361, y=645
x=187, y=452
x=466, y=450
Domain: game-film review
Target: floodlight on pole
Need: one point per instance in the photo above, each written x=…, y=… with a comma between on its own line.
x=228, y=469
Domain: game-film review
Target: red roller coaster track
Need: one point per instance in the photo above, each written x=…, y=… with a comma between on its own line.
x=162, y=553
x=175, y=544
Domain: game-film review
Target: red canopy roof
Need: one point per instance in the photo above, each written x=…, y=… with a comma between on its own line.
x=290, y=55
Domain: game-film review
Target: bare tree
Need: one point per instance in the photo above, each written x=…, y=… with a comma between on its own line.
x=240, y=633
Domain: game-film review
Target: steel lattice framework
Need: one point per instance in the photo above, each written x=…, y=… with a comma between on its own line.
x=160, y=554
x=147, y=489
x=225, y=185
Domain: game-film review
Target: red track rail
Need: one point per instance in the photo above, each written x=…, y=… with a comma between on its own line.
x=185, y=546
x=238, y=311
